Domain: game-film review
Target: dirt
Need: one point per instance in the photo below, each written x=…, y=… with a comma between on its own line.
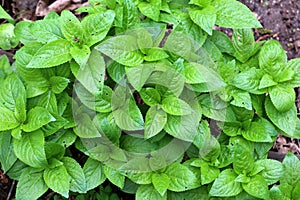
x=280, y=19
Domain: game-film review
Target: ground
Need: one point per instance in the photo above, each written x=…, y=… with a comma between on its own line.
x=280, y=19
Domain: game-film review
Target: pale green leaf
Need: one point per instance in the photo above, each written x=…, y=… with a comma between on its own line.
x=7, y=119
x=257, y=187
x=94, y=174
x=205, y=18
x=148, y=192
x=155, y=54
x=283, y=97
x=137, y=76
x=44, y=30
x=58, y=180
x=291, y=170
x=114, y=176
x=80, y=54
x=155, y=121
x=151, y=9
x=161, y=183
x=272, y=171
x=31, y=184
x=71, y=27
x=176, y=106
x=51, y=54
x=7, y=156
x=30, y=149
x=266, y=81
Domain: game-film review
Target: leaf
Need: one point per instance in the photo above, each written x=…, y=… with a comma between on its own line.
x=241, y=99
x=100, y=102
x=182, y=127
x=271, y=56
x=97, y=25
x=208, y=173
x=225, y=185
x=257, y=187
x=31, y=184
x=272, y=172
x=283, y=97
x=114, y=176
x=243, y=162
x=4, y=14
x=155, y=54
x=58, y=84
x=148, y=192
x=205, y=18
x=80, y=54
x=8, y=120
x=243, y=43
x=94, y=174
x=175, y=106
x=36, y=118
x=150, y=96
x=71, y=27
x=294, y=64
x=51, y=54
x=286, y=121
x=48, y=101
x=137, y=76
x=8, y=38
x=7, y=156
x=131, y=16
x=78, y=182
x=58, y=180
x=92, y=75
x=13, y=97
x=181, y=178
x=291, y=170
x=155, y=121
x=85, y=127
x=222, y=41
x=266, y=81
x=249, y=80
x=125, y=111
x=257, y=133
x=123, y=49
x=30, y=149
x=44, y=31
x=151, y=9
x=161, y=183
x=201, y=3
x=116, y=72
x=233, y=14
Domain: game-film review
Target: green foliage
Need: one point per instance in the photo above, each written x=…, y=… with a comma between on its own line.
x=109, y=103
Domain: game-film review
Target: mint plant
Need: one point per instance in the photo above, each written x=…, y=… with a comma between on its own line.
x=190, y=114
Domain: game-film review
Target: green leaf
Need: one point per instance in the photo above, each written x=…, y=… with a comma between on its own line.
x=96, y=26
x=8, y=119
x=48, y=101
x=182, y=127
x=98, y=102
x=249, y=80
x=266, y=81
x=151, y=9
x=8, y=38
x=54, y=150
x=13, y=97
x=281, y=192
x=243, y=43
x=271, y=57
x=125, y=111
x=137, y=76
x=148, y=192
x=294, y=64
x=243, y=162
x=291, y=170
x=208, y=173
x=94, y=174
x=71, y=27
x=150, y=96
x=272, y=172
x=155, y=121
x=44, y=31
x=283, y=97
x=114, y=176
x=78, y=182
x=80, y=54
x=296, y=191
x=175, y=106
x=201, y=3
x=31, y=184
x=36, y=118
x=225, y=185
x=58, y=84
x=7, y=156
x=257, y=187
x=181, y=178
x=30, y=149
x=161, y=183
x=233, y=14
x=205, y=18
x=131, y=16
x=286, y=121
x=51, y=54
x=241, y=99
x=85, y=128
x=92, y=75
x=4, y=14
x=155, y=54
x=257, y=133
x=123, y=49
x=222, y=41
x=116, y=72
x=58, y=180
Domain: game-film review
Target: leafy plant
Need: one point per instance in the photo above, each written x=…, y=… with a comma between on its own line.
x=140, y=105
